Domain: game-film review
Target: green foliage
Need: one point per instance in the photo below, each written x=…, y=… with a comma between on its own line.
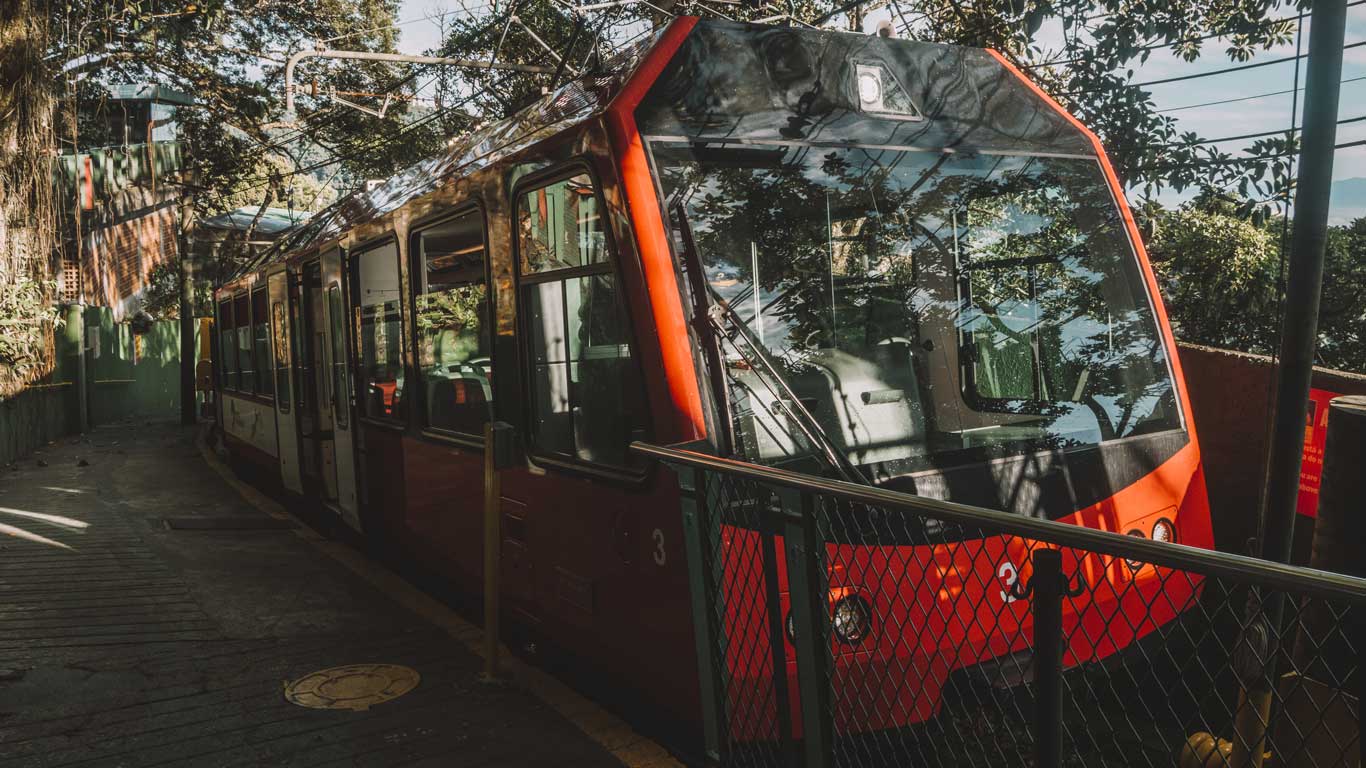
x=27, y=321
x=220, y=52
x=1221, y=280
x=28, y=233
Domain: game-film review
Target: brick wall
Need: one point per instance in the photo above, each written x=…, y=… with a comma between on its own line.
x=119, y=255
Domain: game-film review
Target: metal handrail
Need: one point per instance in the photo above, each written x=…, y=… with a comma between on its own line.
x=1239, y=568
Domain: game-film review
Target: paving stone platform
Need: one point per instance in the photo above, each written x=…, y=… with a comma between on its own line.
x=125, y=642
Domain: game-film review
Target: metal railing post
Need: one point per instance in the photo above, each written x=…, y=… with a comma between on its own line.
x=806, y=582
x=1048, y=587
x=1358, y=634
x=771, y=523
x=704, y=595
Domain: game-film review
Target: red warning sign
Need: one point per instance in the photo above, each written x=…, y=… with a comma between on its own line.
x=1311, y=467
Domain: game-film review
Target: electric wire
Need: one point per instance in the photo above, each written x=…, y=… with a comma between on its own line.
x=1160, y=46
x=1210, y=73
x=1248, y=98
x=1259, y=135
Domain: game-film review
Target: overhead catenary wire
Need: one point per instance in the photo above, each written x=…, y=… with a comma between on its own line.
x=1218, y=162
x=1258, y=135
x=1210, y=73
x=1171, y=43
x=1345, y=81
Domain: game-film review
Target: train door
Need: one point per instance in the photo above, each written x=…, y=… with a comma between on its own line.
x=315, y=414
x=583, y=493
x=339, y=384
x=337, y=367
x=286, y=414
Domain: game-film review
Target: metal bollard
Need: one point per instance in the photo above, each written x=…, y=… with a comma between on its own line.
x=811, y=624
x=498, y=455
x=1047, y=586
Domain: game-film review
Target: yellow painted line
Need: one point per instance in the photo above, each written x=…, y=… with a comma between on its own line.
x=608, y=730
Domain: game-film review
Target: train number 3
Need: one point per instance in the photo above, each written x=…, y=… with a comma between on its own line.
x=1009, y=575
x=660, y=556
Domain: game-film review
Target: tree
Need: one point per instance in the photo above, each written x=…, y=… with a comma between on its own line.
x=1221, y=279
x=28, y=227
x=229, y=55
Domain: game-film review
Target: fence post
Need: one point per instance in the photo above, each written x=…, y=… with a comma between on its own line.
x=770, y=525
x=810, y=619
x=1048, y=587
x=704, y=595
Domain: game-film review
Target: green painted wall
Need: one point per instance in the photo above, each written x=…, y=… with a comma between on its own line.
x=133, y=377
x=47, y=409
x=128, y=379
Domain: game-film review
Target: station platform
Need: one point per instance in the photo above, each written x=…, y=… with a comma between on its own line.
x=153, y=610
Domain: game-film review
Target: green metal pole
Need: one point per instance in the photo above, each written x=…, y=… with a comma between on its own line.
x=1299, y=327
x=189, y=351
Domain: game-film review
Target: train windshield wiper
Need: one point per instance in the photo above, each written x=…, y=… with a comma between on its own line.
x=719, y=317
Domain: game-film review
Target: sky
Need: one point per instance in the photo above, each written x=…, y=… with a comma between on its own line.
x=419, y=27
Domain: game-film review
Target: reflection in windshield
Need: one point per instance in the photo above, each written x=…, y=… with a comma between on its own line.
x=925, y=307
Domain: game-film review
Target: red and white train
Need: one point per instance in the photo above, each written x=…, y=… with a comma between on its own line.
x=838, y=254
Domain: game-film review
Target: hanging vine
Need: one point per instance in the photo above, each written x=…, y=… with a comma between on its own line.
x=28, y=226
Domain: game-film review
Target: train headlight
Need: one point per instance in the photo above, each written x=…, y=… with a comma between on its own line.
x=880, y=93
x=1135, y=564
x=1164, y=530
x=869, y=88
x=852, y=619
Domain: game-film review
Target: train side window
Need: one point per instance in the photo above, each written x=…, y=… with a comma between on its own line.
x=245, y=369
x=585, y=385
x=336, y=319
x=227, y=345
x=264, y=382
x=561, y=228
x=453, y=339
x=279, y=327
x=381, y=334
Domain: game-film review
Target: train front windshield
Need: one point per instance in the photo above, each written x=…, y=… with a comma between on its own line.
x=927, y=308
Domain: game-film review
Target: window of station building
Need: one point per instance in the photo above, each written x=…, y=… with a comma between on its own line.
x=381, y=333
x=246, y=369
x=263, y=382
x=452, y=321
x=585, y=387
x=227, y=345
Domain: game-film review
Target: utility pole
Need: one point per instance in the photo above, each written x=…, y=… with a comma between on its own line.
x=1299, y=327
x=82, y=372
x=189, y=351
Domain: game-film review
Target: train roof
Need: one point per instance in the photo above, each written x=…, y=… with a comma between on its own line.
x=733, y=82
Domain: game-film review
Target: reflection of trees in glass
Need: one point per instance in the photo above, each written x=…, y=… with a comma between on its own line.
x=448, y=325
x=1022, y=259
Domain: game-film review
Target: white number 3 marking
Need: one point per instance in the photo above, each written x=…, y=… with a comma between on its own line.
x=660, y=557
x=1010, y=575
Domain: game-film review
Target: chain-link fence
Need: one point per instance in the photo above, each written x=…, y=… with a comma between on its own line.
x=838, y=625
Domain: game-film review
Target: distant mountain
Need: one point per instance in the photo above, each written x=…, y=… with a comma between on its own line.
x=1348, y=201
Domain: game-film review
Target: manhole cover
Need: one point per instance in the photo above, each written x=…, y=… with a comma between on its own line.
x=354, y=686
